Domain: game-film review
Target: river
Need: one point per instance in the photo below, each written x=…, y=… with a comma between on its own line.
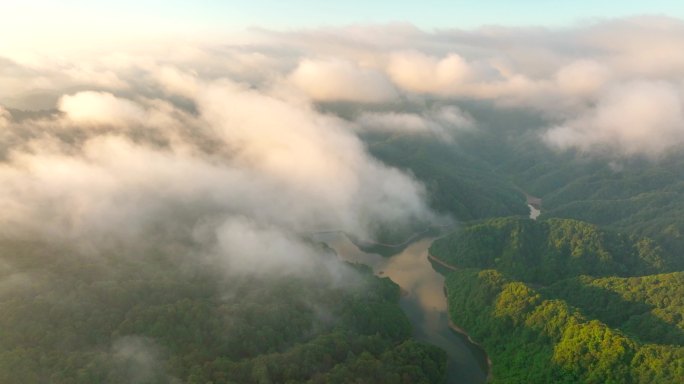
x=423, y=301
x=534, y=211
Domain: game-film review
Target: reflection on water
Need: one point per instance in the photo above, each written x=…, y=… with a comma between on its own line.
x=424, y=302
x=534, y=212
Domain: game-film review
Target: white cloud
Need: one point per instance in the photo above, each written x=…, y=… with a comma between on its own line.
x=582, y=77
x=269, y=167
x=393, y=122
x=452, y=116
x=140, y=359
x=246, y=247
x=177, y=82
x=638, y=46
x=101, y=108
x=341, y=80
x=231, y=138
x=636, y=118
x=418, y=72
x=4, y=117
x=442, y=122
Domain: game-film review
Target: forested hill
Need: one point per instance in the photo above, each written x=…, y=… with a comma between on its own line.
x=522, y=289
x=564, y=334
x=584, y=294
x=649, y=308
x=459, y=184
x=547, y=250
x=481, y=173
x=636, y=195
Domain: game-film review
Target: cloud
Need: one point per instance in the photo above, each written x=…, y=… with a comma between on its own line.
x=442, y=122
x=13, y=280
x=223, y=143
x=176, y=81
x=138, y=360
x=100, y=108
x=340, y=80
x=4, y=117
x=268, y=248
x=316, y=155
x=635, y=118
x=582, y=77
x=421, y=73
x=252, y=170
x=454, y=117
x=393, y=122
x=638, y=46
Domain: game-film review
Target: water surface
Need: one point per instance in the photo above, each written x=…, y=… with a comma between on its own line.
x=423, y=302
x=534, y=212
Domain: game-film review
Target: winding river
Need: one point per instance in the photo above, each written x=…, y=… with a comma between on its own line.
x=423, y=301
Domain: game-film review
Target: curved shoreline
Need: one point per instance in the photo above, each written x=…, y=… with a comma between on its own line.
x=442, y=262
x=454, y=327
x=483, y=360
x=370, y=243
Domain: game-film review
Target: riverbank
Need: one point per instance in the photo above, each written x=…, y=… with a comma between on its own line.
x=388, y=249
x=454, y=327
x=422, y=300
x=442, y=262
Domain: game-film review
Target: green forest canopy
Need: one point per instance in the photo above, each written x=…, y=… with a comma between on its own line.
x=149, y=320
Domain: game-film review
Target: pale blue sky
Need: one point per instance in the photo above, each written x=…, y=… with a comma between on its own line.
x=425, y=14
x=235, y=14
x=43, y=25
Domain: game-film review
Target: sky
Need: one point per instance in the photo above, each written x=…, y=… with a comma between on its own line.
x=41, y=16
x=48, y=25
x=424, y=14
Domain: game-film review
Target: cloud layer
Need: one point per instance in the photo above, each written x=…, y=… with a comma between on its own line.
x=247, y=173
x=633, y=118
x=570, y=76
x=228, y=145
x=336, y=80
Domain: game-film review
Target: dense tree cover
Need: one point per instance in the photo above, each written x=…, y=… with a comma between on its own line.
x=647, y=308
x=635, y=196
x=481, y=172
x=547, y=250
x=147, y=319
x=603, y=215
x=642, y=196
x=541, y=319
x=534, y=337
x=150, y=318
x=457, y=183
